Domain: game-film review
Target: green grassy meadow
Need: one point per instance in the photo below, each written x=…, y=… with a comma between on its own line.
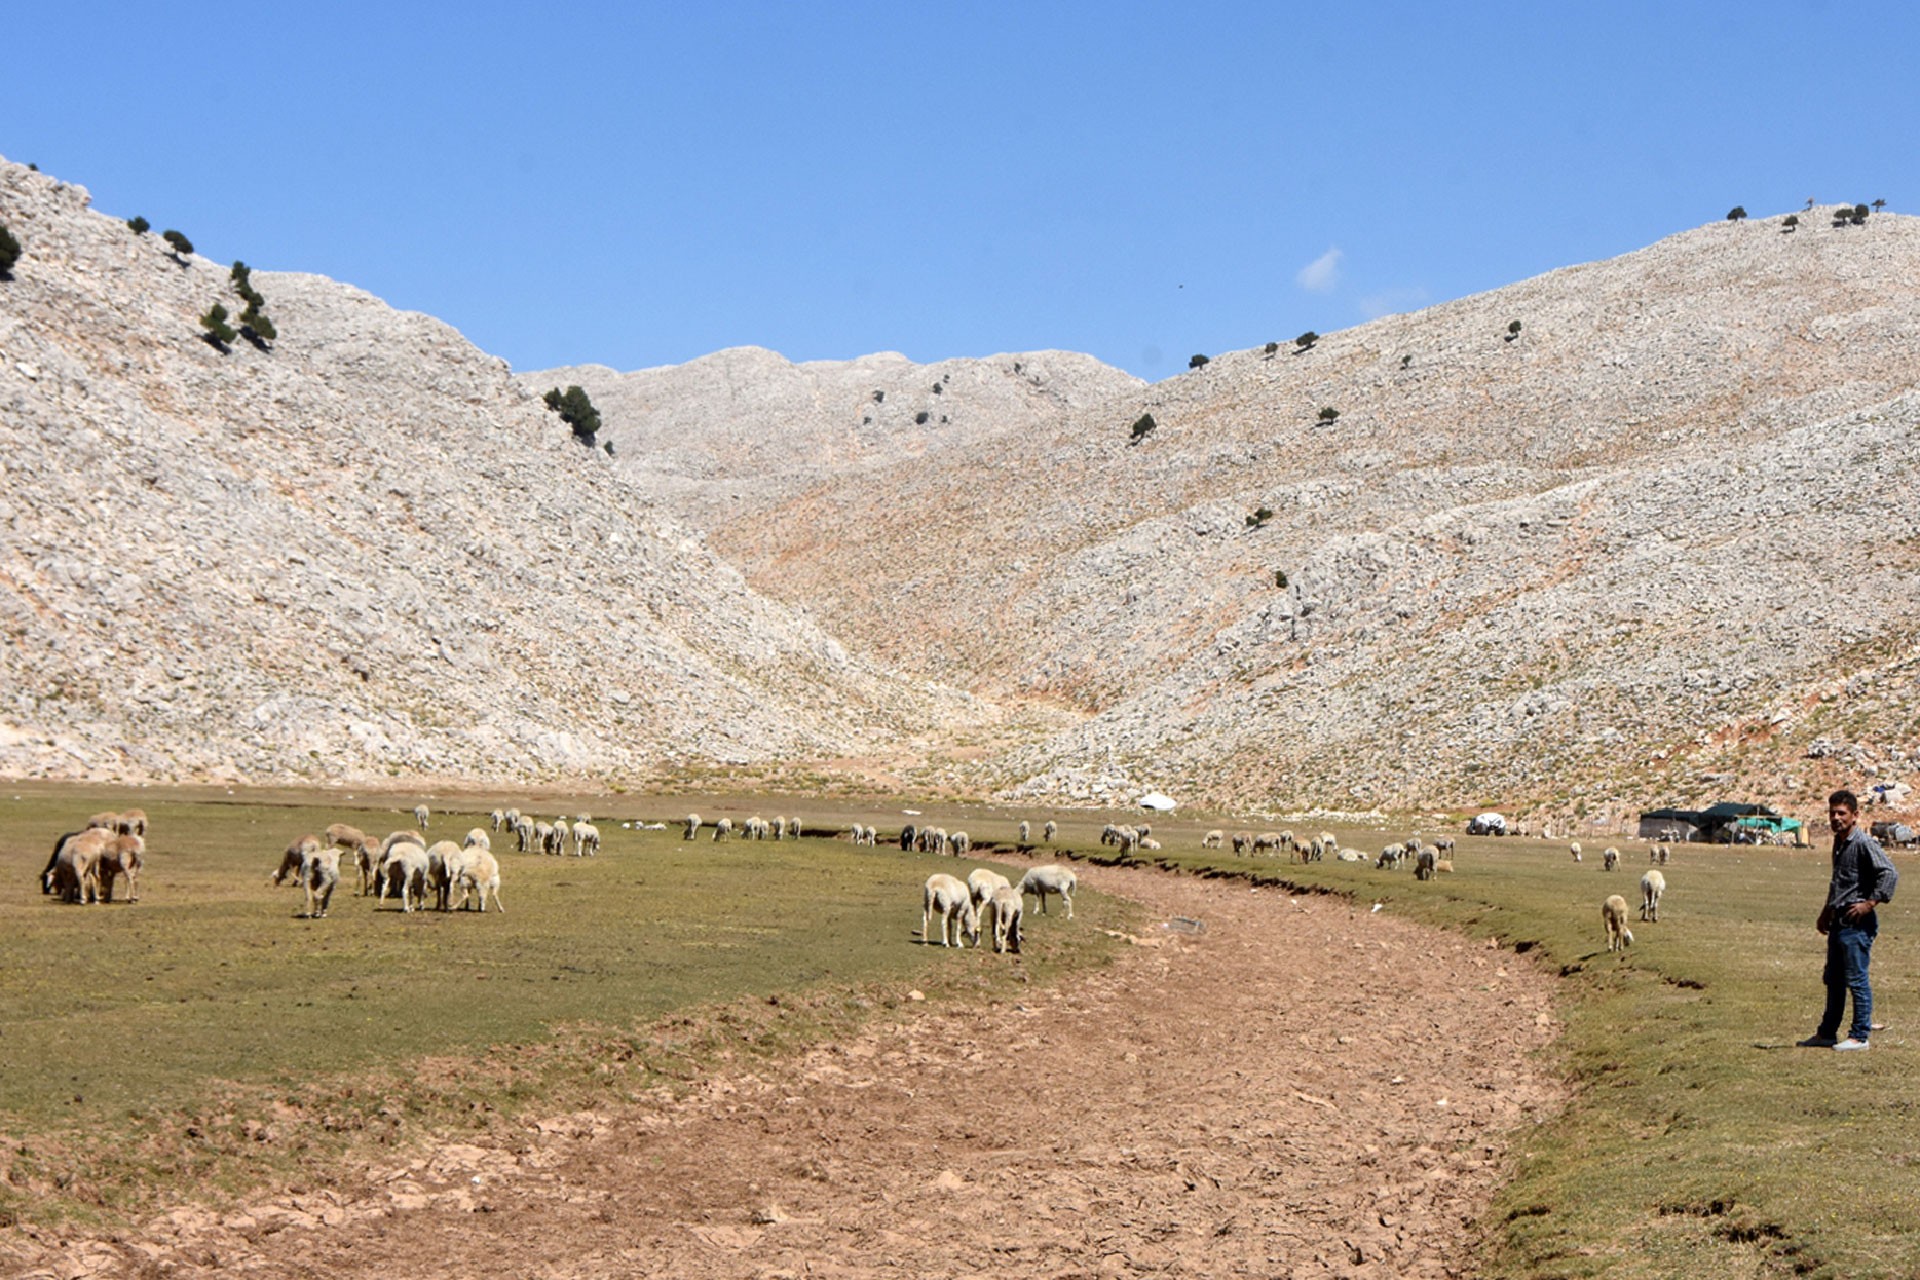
x=156, y=1042
x=208, y=1039
x=1700, y=1141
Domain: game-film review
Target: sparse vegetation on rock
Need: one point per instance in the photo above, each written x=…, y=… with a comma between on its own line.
x=1143, y=427
x=140, y=226
x=1259, y=517
x=1306, y=340
x=218, y=331
x=1329, y=415
x=1280, y=579
x=1737, y=213
x=254, y=323
x=181, y=245
x=576, y=410
x=1197, y=362
x=1513, y=330
x=1790, y=222
x=1272, y=347
x=10, y=251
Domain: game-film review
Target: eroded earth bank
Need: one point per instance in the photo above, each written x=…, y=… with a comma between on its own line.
x=1304, y=1088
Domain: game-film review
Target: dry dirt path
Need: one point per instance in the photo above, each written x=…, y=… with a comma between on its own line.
x=1303, y=1089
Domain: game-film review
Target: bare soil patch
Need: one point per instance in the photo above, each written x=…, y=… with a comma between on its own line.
x=1303, y=1088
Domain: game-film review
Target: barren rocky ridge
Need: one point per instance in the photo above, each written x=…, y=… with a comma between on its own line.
x=1659, y=544
x=1598, y=562
x=364, y=553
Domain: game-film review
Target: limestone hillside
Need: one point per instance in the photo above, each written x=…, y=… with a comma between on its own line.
x=741, y=430
x=366, y=553
x=1659, y=545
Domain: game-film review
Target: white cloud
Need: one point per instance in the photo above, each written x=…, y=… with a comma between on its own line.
x=1322, y=273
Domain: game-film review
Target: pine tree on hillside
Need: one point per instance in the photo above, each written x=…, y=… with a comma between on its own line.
x=219, y=332
x=576, y=410
x=9, y=252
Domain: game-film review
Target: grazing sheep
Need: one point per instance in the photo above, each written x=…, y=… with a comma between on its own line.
x=524, y=832
x=478, y=871
x=542, y=836
x=1324, y=844
x=779, y=827
x=1048, y=832
x=1026, y=832
x=1267, y=842
x=132, y=823
x=1242, y=842
x=344, y=836
x=123, y=856
x=316, y=868
x=1348, y=855
x=1444, y=846
x=497, y=818
x=74, y=874
x=1614, y=912
x=1052, y=878
x=478, y=837
x=1652, y=885
x=1002, y=919
x=103, y=822
x=1424, y=864
x=404, y=867
x=1110, y=834
x=586, y=841
x=909, y=836
x=1574, y=849
x=420, y=816
x=723, y=830
x=1213, y=839
x=53, y=859
x=1609, y=859
x=557, y=836
x=510, y=819
x=693, y=826
x=443, y=856
x=1149, y=844
x=1444, y=866
x=981, y=883
x=947, y=898
x=960, y=844
x=1390, y=857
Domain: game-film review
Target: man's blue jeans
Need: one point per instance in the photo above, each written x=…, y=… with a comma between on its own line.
x=1849, y=949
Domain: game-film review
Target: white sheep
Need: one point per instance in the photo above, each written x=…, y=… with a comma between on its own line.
x=403, y=864
x=1609, y=859
x=959, y=844
x=442, y=857
x=1425, y=864
x=124, y=855
x=1652, y=885
x=586, y=840
x=1149, y=844
x=1242, y=842
x=1051, y=879
x=981, y=883
x=478, y=871
x=1002, y=919
x=478, y=838
x=523, y=832
x=693, y=826
x=542, y=836
x=1110, y=834
x=947, y=898
x=1048, y=832
x=420, y=816
x=1324, y=844
x=1026, y=832
x=316, y=868
x=556, y=841
x=497, y=818
x=510, y=818
x=1574, y=849
x=1213, y=839
x=723, y=830
x=1614, y=912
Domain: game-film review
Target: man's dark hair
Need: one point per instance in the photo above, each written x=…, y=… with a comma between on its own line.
x=1845, y=797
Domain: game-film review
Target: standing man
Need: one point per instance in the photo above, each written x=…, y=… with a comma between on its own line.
x=1863, y=878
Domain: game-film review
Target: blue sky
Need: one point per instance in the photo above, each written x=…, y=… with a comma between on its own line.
x=638, y=184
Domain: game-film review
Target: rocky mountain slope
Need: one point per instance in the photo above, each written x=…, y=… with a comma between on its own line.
x=744, y=429
x=1568, y=567
x=365, y=553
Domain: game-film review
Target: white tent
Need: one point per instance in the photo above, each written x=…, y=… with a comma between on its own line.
x=1158, y=803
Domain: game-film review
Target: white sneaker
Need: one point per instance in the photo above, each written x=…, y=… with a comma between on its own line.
x=1851, y=1043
